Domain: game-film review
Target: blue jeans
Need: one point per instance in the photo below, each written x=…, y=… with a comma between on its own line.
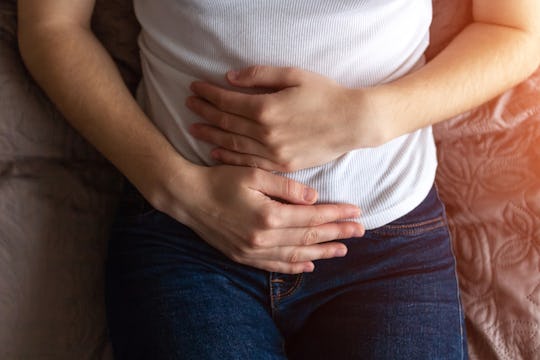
x=394, y=296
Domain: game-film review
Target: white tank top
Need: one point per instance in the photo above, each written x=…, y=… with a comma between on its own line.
x=358, y=43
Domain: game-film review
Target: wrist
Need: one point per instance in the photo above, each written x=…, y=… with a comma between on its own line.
x=374, y=122
x=172, y=185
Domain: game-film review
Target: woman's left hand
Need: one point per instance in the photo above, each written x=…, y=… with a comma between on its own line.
x=302, y=120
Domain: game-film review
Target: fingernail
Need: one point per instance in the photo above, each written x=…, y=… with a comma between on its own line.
x=309, y=268
x=359, y=232
x=310, y=194
x=233, y=74
x=341, y=252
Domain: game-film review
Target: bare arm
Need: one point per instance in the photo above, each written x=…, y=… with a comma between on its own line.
x=498, y=50
x=77, y=73
x=289, y=129
x=232, y=208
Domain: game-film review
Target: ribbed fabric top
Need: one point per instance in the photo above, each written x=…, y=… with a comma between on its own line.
x=358, y=43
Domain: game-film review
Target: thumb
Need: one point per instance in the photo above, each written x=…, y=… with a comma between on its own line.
x=266, y=77
x=286, y=189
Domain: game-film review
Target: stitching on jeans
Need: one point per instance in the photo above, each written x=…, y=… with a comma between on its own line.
x=271, y=293
x=405, y=226
x=387, y=230
x=292, y=289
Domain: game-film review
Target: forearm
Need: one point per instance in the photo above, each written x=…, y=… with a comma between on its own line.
x=82, y=80
x=481, y=62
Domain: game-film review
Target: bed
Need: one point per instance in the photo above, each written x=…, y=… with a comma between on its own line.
x=58, y=196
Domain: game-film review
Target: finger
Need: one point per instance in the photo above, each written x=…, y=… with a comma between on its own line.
x=281, y=266
x=227, y=140
x=309, y=236
x=296, y=214
x=302, y=254
x=283, y=188
x=282, y=216
x=234, y=158
x=223, y=120
x=266, y=77
x=295, y=259
x=233, y=102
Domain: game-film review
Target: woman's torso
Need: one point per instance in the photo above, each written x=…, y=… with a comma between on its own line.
x=357, y=43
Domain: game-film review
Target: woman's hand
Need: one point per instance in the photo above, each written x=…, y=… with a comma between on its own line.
x=303, y=120
x=236, y=210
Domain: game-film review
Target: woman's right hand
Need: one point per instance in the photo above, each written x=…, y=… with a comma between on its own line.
x=259, y=219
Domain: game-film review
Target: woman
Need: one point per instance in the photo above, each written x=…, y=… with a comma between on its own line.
x=240, y=260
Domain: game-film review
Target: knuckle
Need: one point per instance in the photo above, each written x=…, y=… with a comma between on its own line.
x=310, y=237
x=268, y=219
x=280, y=154
x=290, y=188
x=263, y=113
x=288, y=166
x=317, y=219
x=268, y=135
x=256, y=240
x=294, y=256
x=254, y=71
